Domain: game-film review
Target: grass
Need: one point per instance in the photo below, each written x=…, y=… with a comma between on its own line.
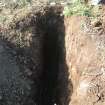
x=2, y=18
x=81, y=9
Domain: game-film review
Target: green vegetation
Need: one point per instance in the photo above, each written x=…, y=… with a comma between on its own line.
x=12, y=4
x=2, y=18
x=79, y=8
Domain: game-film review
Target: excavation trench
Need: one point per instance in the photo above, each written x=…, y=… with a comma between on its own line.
x=53, y=27
x=44, y=55
x=53, y=87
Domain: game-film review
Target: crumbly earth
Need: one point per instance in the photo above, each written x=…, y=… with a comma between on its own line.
x=85, y=57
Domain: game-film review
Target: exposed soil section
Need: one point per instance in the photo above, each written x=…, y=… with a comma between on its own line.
x=85, y=59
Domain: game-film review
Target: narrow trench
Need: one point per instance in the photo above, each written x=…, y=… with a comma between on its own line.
x=53, y=82
x=50, y=73
x=47, y=90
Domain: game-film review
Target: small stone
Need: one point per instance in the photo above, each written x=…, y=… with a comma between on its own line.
x=52, y=3
x=1, y=49
x=1, y=97
x=29, y=73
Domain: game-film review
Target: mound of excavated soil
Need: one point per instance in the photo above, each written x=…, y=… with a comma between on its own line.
x=15, y=89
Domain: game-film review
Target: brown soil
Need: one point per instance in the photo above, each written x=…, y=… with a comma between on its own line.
x=85, y=60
